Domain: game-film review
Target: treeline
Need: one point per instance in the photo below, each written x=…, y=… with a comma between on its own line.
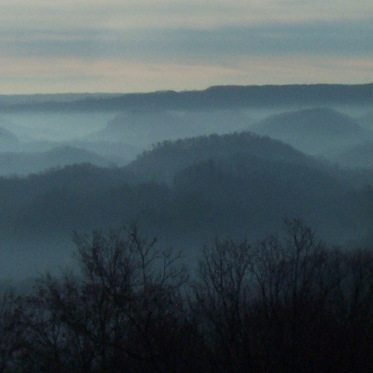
x=285, y=304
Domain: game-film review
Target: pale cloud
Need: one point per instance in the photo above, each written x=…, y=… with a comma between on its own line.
x=188, y=45
x=117, y=75
x=124, y=14
x=121, y=45
x=105, y=75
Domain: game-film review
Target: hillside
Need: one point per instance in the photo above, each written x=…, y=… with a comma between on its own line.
x=23, y=163
x=167, y=158
x=360, y=155
x=247, y=195
x=313, y=131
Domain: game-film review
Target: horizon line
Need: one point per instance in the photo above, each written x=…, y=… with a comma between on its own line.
x=106, y=93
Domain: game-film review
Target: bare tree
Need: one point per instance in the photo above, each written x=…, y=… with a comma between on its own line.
x=10, y=330
x=221, y=295
x=113, y=313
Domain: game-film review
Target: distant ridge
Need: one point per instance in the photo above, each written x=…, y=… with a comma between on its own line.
x=211, y=98
x=313, y=130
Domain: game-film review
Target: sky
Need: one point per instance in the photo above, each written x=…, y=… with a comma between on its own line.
x=49, y=46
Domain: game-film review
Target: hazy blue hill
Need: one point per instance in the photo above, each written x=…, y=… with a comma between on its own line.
x=219, y=121
x=218, y=97
x=357, y=156
x=142, y=126
x=313, y=131
x=283, y=95
x=8, y=141
x=169, y=157
x=23, y=163
x=5, y=122
x=70, y=155
x=116, y=152
x=366, y=120
x=150, y=126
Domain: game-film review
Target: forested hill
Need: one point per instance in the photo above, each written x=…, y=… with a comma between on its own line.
x=236, y=184
x=169, y=157
x=217, y=97
x=186, y=192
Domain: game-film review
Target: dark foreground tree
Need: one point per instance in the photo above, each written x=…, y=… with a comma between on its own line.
x=121, y=310
x=221, y=298
x=286, y=304
x=11, y=331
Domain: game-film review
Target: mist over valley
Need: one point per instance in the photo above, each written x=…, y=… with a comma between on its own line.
x=184, y=169
x=186, y=186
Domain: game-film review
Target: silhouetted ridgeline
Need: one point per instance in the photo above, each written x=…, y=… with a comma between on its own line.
x=212, y=98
